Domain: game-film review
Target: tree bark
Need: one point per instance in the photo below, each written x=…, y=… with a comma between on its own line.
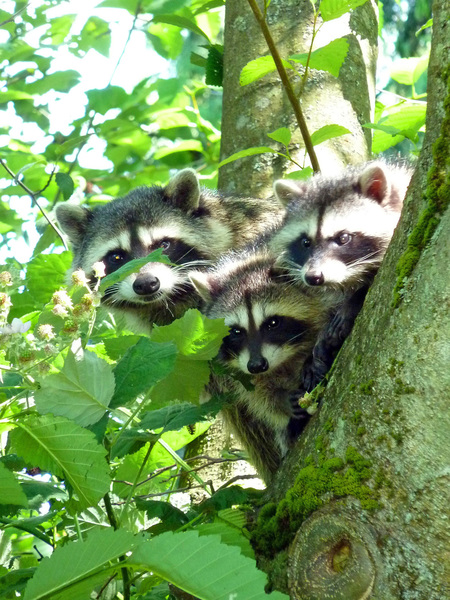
x=252, y=111
x=387, y=399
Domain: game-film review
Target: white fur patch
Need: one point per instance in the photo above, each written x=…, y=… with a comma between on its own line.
x=276, y=355
x=149, y=235
x=370, y=219
x=168, y=279
x=239, y=318
x=98, y=249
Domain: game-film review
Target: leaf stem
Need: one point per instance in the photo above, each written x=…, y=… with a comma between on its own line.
x=287, y=86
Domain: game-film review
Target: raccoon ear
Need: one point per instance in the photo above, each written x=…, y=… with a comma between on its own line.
x=73, y=220
x=202, y=285
x=183, y=190
x=287, y=190
x=375, y=184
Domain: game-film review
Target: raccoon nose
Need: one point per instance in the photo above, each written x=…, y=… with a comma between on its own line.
x=313, y=278
x=146, y=284
x=257, y=365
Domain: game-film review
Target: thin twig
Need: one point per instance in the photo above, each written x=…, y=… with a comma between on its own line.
x=287, y=85
x=113, y=521
x=34, y=199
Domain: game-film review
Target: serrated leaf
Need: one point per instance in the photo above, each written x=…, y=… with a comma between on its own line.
x=103, y=100
x=45, y=274
x=117, y=346
x=176, y=416
x=65, y=184
x=203, y=567
x=11, y=492
x=214, y=66
x=67, y=450
x=328, y=58
x=195, y=335
x=403, y=117
x=228, y=535
x=247, y=152
x=186, y=383
x=81, y=391
x=282, y=135
x=233, y=516
x=409, y=70
x=73, y=570
x=332, y=9
x=133, y=266
x=328, y=132
x=141, y=367
x=255, y=69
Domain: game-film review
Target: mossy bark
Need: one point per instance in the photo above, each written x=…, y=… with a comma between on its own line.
x=252, y=111
x=387, y=397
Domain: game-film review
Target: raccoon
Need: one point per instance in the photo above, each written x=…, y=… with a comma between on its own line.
x=333, y=239
x=192, y=225
x=273, y=327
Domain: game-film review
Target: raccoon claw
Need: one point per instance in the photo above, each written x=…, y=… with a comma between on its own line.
x=313, y=372
x=297, y=412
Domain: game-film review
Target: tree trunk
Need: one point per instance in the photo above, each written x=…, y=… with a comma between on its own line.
x=252, y=111
x=365, y=492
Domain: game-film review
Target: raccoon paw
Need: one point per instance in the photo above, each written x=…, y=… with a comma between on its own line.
x=314, y=370
x=296, y=411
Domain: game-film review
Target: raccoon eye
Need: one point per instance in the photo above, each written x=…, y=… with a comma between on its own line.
x=115, y=257
x=305, y=242
x=272, y=323
x=164, y=244
x=343, y=239
x=235, y=331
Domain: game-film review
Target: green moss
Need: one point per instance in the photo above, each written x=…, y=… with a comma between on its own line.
x=352, y=387
x=329, y=426
x=437, y=200
x=357, y=416
x=361, y=431
x=315, y=484
x=366, y=388
x=401, y=388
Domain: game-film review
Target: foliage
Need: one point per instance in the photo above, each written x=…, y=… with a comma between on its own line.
x=93, y=419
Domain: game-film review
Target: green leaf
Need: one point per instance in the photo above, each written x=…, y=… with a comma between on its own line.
x=81, y=391
x=117, y=346
x=406, y=116
x=67, y=450
x=170, y=515
x=182, y=22
x=203, y=567
x=302, y=174
x=74, y=570
x=11, y=492
x=226, y=498
x=45, y=274
x=103, y=100
x=142, y=366
x=61, y=81
x=247, y=152
x=133, y=266
x=214, y=66
x=328, y=58
x=65, y=184
x=282, y=135
x=328, y=132
x=228, y=535
x=188, y=380
x=176, y=416
x=258, y=68
x=408, y=70
x=429, y=23
x=332, y=9
x=194, y=334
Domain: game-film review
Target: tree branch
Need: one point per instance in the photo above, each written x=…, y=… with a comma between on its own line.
x=287, y=85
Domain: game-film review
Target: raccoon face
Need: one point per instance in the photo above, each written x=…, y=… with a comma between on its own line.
x=155, y=283
x=337, y=232
x=260, y=341
x=172, y=218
